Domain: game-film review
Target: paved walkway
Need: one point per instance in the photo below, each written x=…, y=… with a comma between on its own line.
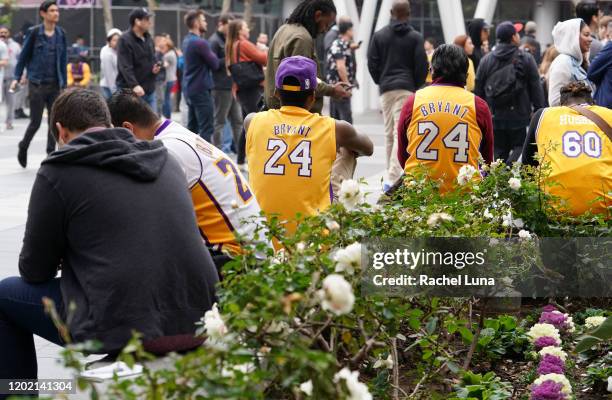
x=16, y=183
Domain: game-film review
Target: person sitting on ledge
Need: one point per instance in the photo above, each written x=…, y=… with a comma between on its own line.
x=226, y=208
x=111, y=213
x=571, y=140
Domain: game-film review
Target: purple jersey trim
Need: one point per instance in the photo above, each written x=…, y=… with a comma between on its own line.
x=225, y=218
x=163, y=126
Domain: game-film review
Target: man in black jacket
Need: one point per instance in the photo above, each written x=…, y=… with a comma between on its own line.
x=508, y=80
x=226, y=105
x=113, y=215
x=136, y=63
x=398, y=65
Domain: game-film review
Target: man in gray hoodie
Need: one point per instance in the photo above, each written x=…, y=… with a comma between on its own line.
x=112, y=214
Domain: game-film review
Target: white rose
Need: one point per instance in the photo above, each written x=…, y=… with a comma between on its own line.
x=523, y=234
x=507, y=219
x=350, y=194
x=332, y=225
x=388, y=363
x=553, y=351
x=487, y=214
x=466, y=173
x=540, y=330
x=594, y=322
x=357, y=390
x=337, y=295
x=306, y=387
x=497, y=163
x=300, y=247
x=215, y=327
x=558, y=378
x=514, y=183
x=349, y=258
x=435, y=218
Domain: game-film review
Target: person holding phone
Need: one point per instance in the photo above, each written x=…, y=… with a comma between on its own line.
x=341, y=67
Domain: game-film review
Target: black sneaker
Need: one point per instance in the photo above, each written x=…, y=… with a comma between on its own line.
x=20, y=114
x=22, y=156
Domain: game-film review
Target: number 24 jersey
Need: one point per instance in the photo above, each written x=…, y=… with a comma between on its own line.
x=224, y=203
x=443, y=134
x=291, y=152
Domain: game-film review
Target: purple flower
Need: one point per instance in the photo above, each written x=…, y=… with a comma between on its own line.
x=549, y=308
x=554, y=318
x=550, y=364
x=545, y=341
x=548, y=390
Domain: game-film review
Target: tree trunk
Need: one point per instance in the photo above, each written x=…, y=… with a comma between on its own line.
x=248, y=12
x=227, y=5
x=152, y=5
x=108, y=15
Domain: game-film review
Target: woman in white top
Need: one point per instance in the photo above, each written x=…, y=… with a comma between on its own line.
x=170, y=64
x=108, y=63
x=572, y=40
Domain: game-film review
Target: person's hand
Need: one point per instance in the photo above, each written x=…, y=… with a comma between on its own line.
x=340, y=91
x=13, y=86
x=23, y=80
x=156, y=68
x=355, y=46
x=139, y=91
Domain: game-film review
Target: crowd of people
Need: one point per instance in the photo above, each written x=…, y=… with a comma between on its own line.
x=130, y=196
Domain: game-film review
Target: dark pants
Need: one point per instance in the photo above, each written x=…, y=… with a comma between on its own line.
x=40, y=96
x=22, y=314
x=201, y=114
x=506, y=141
x=341, y=110
x=227, y=109
x=248, y=99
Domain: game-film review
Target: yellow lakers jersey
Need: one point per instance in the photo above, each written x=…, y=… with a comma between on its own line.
x=580, y=157
x=443, y=134
x=224, y=204
x=290, y=153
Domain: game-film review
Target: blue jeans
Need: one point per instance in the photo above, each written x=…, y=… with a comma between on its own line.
x=107, y=93
x=151, y=100
x=228, y=139
x=201, y=114
x=167, y=107
x=22, y=314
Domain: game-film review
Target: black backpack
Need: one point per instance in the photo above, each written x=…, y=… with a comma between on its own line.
x=504, y=86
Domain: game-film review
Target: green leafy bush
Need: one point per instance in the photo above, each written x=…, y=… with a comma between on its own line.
x=294, y=325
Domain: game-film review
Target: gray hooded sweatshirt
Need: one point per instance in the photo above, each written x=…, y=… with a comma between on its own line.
x=566, y=67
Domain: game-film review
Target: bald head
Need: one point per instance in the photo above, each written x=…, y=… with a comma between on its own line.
x=400, y=10
x=344, y=19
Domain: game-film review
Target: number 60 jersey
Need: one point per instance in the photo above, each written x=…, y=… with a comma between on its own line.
x=580, y=157
x=224, y=203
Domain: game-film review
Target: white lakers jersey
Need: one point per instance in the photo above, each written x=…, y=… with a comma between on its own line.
x=224, y=204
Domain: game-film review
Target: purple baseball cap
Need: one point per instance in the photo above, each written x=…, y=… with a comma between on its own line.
x=303, y=69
